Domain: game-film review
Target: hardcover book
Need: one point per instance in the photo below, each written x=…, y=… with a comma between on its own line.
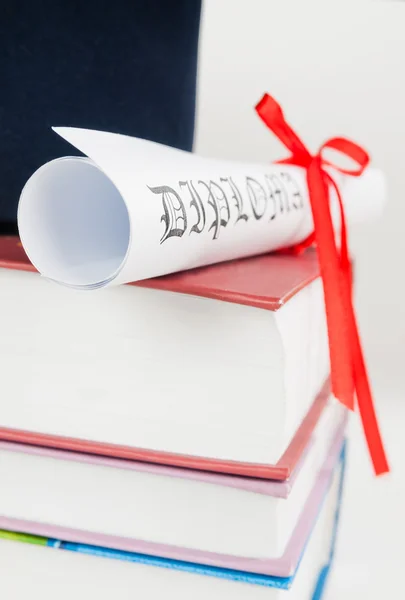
x=218, y=520
x=220, y=369
x=65, y=569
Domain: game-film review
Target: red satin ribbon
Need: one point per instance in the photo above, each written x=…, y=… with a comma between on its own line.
x=348, y=369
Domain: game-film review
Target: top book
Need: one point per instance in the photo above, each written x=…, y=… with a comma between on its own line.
x=218, y=368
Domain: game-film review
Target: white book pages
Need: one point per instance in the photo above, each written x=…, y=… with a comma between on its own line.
x=135, y=209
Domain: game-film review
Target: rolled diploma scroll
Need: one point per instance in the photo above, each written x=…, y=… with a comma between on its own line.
x=135, y=209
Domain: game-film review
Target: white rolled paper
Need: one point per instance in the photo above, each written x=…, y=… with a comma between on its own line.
x=135, y=209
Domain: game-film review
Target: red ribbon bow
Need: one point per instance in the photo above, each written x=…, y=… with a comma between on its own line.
x=348, y=369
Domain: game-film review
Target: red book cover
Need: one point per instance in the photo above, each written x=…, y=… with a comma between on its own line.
x=267, y=282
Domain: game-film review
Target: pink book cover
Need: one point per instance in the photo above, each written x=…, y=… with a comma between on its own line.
x=266, y=282
x=282, y=566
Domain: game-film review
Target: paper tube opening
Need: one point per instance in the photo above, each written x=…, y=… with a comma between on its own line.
x=73, y=223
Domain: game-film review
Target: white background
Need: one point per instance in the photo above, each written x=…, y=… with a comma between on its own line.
x=337, y=69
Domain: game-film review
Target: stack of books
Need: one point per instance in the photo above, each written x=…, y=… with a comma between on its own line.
x=175, y=437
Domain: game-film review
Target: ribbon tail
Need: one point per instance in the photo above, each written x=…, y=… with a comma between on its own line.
x=363, y=390
x=367, y=411
x=361, y=379
x=333, y=285
x=272, y=115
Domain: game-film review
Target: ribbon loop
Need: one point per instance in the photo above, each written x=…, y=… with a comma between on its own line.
x=349, y=149
x=348, y=371
x=271, y=113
